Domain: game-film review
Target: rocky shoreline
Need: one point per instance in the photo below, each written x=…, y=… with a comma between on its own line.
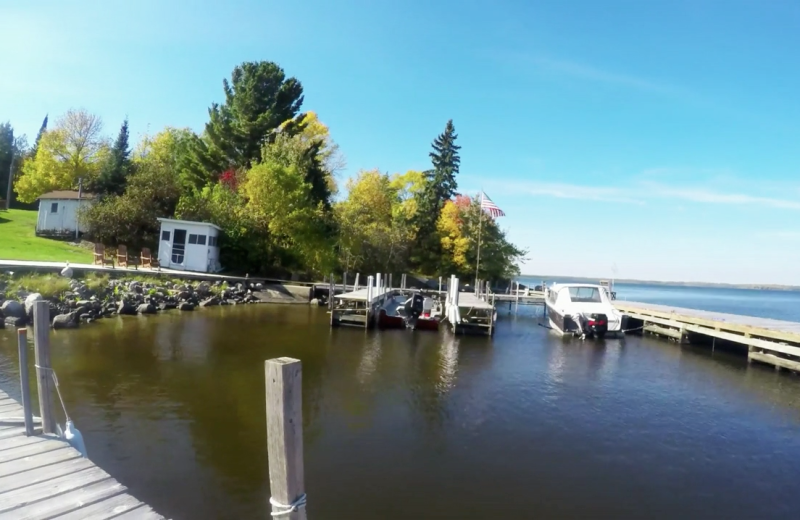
x=82, y=304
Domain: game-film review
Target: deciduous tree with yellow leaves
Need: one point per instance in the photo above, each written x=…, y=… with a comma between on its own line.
x=74, y=149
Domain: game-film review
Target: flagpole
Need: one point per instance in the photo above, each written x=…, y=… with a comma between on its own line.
x=480, y=225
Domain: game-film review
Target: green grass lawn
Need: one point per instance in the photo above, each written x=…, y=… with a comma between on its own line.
x=18, y=241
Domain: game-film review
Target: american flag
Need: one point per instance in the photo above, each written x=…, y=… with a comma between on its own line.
x=490, y=207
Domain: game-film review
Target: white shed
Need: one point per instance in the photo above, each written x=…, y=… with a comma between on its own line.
x=58, y=212
x=189, y=246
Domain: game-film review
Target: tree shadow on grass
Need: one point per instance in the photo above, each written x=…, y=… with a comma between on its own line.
x=4, y=220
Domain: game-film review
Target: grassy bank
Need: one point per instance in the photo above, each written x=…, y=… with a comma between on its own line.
x=18, y=241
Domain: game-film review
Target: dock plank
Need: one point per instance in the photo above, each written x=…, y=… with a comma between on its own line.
x=109, y=508
x=141, y=513
x=16, y=442
x=63, y=454
x=51, y=488
x=69, y=502
x=28, y=450
x=37, y=475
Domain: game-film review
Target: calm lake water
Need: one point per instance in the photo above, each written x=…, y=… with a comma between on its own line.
x=402, y=425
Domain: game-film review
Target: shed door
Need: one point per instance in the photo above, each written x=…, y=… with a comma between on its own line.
x=178, y=246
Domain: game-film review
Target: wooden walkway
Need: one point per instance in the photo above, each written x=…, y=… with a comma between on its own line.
x=43, y=477
x=769, y=341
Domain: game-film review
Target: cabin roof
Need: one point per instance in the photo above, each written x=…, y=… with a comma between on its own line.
x=190, y=222
x=66, y=195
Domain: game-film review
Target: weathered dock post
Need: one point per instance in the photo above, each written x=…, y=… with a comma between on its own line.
x=440, y=285
x=331, y=292
x=355, y=285
x=344, y=282
x=284, y=379
x=368, y=303
x=22, y=345
x=390, y=286
x=44, y=379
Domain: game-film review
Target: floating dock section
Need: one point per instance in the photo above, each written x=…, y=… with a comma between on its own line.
x=360, y=307
x=468, y=312
x=768, y=341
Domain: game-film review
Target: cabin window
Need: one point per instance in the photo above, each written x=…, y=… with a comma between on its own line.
x=54, y=207
x=212, y=241
x=585, y=295
x=201, y=240
x=193, y=239
x=165, y=236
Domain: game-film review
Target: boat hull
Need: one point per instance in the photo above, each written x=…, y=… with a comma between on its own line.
x=386, y=321
x=427, y=324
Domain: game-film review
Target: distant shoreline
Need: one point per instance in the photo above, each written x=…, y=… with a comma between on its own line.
x=751, y=286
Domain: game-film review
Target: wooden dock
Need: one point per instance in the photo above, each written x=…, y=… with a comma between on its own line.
x=42, y=476
x=359, y=307
x=774, y=342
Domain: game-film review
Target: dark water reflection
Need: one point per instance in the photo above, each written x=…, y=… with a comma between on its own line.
x=401, y=425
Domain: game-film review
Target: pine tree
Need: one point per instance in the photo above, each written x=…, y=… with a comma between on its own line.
x=114, y=176
x=42, y=130
x=446, y=163
x=258, y=99
x=440, y=187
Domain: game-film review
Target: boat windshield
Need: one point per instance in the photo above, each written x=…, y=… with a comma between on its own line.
x=585, y=295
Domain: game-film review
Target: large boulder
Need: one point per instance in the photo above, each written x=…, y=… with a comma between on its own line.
x=29, y=303
x=66, y=321
x=125, y=308
x=146, y=308
x=203, y=288
x=135, y=287
x=167, y=306
x=13, y=309
x=185, y=306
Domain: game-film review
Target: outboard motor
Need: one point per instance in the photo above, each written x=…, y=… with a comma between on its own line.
x=595, y=325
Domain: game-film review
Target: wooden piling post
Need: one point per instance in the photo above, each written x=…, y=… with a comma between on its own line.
x=440, y=285
x=284, y=379
x=44, y=379
x=355, y=286
x=331, y=292
x=344, y=282
x=389, y=285
x=22, y=345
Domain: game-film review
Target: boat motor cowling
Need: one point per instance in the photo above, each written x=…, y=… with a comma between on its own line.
x=595, y=325
x=415, y=305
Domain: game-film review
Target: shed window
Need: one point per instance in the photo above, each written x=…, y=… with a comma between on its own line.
x=165, y=236
x=54, y=207
x=192, y=239
x=212, y=241
x=201, y=240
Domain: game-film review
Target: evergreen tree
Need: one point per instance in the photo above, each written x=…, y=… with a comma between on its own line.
x=258, y=100
x=42, y=130
x=446, y=162
x=114, y=176
x=440, y=187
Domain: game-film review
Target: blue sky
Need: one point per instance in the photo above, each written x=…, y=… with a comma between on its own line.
x=663, y=137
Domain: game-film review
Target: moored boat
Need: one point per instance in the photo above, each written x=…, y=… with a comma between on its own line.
x=584, y=310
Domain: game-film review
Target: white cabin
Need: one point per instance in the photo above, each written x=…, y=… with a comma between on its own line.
x=58, y=212
x=189, y=246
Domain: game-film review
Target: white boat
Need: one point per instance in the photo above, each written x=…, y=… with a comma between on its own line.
x=584, y=310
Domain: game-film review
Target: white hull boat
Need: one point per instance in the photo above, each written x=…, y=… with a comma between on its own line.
x=582, y=310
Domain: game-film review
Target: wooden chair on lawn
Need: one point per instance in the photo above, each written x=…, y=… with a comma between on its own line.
x=100, y=257
x=123, y=260
x=148, y=260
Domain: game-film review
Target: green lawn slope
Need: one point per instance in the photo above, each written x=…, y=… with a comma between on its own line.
x=18, y=241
